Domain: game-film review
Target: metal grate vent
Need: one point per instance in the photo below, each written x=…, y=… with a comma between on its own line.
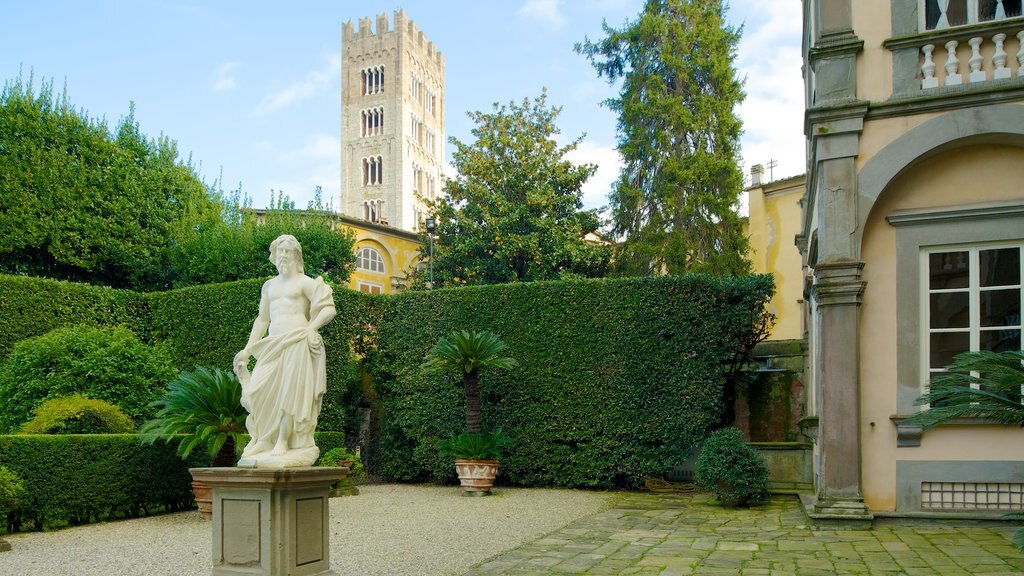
x=972, y=496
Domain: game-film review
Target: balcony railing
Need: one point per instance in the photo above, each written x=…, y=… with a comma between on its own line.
x=980, y=59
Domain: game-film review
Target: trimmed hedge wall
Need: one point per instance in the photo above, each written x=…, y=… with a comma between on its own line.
x=617, y=379
x=75, y=479
x=207, y=325
x=33, y=306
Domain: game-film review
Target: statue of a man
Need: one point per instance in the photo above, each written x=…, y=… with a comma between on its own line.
x=284, y=391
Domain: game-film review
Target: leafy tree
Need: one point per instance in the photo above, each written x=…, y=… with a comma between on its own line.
x=676, y=199
x=233, y=243
x=78, y=202
x=513, y=212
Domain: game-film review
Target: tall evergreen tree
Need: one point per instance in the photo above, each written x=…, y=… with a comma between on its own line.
x=675, y=203
x=513, y=213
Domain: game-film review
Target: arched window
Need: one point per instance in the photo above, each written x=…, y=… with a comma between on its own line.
x=369, y=259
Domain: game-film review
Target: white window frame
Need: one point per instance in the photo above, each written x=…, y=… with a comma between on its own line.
x=973, y=290
x=370, y=287
x=370, y=259
x=972, y=8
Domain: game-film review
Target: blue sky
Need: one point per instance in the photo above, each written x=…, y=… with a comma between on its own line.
x=251, y=89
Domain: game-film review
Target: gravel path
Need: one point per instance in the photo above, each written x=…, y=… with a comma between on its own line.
x=388, y=529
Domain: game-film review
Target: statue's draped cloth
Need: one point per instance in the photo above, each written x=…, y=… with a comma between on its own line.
x=290, y=378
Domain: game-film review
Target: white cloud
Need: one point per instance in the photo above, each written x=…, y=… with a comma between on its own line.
x=225, y=79
x=769, y=61
x=314, y=83
x=609, y=165
x=548, y=12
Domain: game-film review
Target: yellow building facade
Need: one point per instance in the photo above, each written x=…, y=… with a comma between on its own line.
x=385, y=256
x=913, y=246
x=773, y=224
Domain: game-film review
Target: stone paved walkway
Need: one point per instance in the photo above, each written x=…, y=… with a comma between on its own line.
x=679, y=534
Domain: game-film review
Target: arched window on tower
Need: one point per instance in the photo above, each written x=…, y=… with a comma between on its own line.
x=373, y=171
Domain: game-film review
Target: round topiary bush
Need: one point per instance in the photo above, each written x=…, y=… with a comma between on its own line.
x=78, y=415
x=731, y=469
x=103, y=363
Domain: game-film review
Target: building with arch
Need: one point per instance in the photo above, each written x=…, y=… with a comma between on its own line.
x=392, y=116
x=912, y=246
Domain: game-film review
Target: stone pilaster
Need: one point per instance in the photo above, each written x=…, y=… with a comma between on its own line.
x=837, y=292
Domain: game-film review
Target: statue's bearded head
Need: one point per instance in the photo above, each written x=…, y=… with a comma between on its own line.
x=286, y=254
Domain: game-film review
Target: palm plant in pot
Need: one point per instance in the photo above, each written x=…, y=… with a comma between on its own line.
x=201, y=409
x=475, y=452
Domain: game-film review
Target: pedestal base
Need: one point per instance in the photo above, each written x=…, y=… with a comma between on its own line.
x=837, y=513
x=270, y=522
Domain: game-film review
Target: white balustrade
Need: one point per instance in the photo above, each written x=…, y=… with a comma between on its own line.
x=983, y=65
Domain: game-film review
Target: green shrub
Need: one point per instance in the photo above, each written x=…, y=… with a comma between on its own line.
x=335, y=456
x=731, y=469
x=10, y=488
x=102, y=363
x=77, y=414
x=77, y=479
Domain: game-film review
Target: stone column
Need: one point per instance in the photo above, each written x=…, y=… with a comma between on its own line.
x=271, y=521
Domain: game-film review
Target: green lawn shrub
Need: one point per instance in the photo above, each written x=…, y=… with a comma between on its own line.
x=104, y=363
x=732, y=469
x=77, y=414
x=617, y=379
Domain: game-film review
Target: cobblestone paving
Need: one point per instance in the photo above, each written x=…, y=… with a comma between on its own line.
x=679, y=534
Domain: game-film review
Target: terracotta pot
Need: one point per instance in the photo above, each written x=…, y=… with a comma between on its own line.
x=203, y=495
x=476, y=476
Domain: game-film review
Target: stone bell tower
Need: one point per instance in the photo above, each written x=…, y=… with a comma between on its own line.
x=392, y=121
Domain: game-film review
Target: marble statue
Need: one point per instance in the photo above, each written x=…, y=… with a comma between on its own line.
x=284, y=391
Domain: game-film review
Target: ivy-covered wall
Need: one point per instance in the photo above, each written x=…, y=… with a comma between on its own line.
x=617, y=379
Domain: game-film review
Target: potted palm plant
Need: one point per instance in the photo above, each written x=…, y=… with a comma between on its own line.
x=475, y=452
x=201, y=409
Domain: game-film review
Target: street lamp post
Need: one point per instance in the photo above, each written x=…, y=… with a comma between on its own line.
x=431, y=226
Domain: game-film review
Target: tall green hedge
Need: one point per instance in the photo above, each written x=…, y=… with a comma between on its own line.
x=75, y=479
x=34, y=306
x=617, y=379
x=207, y=325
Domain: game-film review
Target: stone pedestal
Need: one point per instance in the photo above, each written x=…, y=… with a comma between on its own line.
x=270, y=522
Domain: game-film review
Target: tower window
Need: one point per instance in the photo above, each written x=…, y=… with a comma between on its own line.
x=373, y=121
x=373, y=80
x=373, y=210
x=373, y=171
